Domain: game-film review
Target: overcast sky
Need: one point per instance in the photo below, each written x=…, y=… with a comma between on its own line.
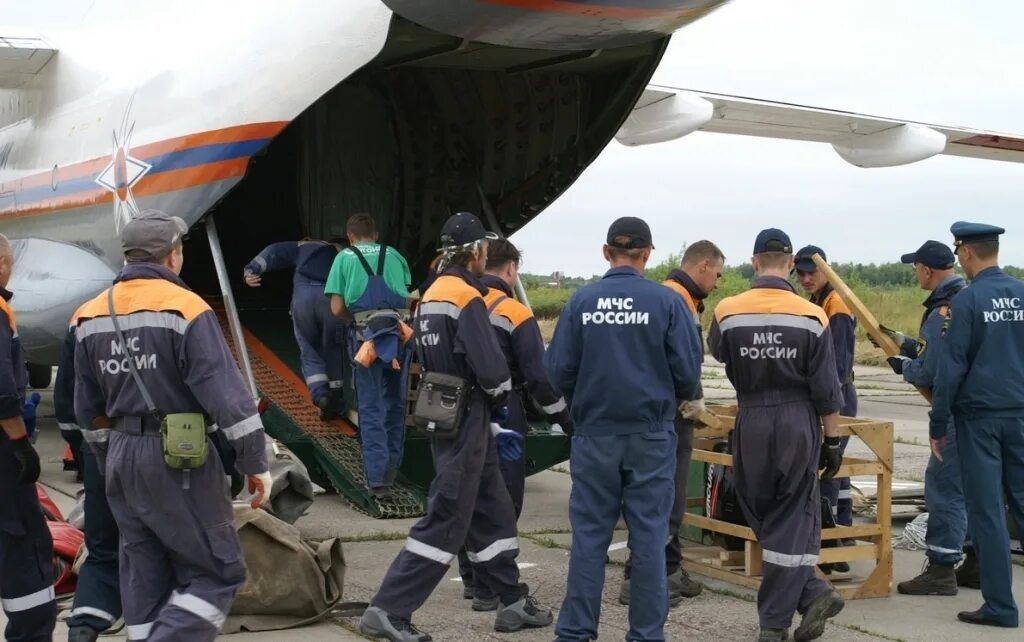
x=947, y=62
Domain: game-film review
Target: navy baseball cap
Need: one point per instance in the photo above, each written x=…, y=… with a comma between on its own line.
x=933, y=254
x=462, y=229
x=772, y=240
x=632, y=228
x=803, y=261
x=964, y=232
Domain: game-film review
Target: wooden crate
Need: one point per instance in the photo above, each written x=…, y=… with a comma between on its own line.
x=874, y=541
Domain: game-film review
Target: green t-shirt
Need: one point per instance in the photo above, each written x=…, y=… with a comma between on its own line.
x=349, y=279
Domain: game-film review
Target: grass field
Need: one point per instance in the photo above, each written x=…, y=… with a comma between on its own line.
x=896, y=307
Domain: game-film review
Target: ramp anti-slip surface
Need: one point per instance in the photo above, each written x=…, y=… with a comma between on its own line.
x=331, y=449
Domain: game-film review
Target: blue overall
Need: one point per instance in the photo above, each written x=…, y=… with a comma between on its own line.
x=380, y=389
x=943, y=484
x=625, y=351
x=980, y=385
x=319, y=333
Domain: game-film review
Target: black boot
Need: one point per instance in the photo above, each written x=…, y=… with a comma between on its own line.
x=936, y=579
x=969, y=574
x=82, y=634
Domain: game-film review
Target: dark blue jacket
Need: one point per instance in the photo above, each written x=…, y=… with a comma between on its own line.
x=981, y=361
x=921, y=371
x=312, y=260
x=64, y=382
x=13, y=374
x=625, y=352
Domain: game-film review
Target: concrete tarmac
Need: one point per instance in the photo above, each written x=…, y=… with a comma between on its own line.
x=723, y=612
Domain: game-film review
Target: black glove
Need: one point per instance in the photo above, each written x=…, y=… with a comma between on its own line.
x=27, y=458
x=563, y=419
x=897, y=363
x=237, y=483
x=831, y=457
x=495, y=402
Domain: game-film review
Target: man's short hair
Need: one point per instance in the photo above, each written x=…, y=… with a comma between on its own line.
x=618, y=252
x=774, y=260
x=501, y=252
x=985, y=250
x=702, y=250
x=361, y=226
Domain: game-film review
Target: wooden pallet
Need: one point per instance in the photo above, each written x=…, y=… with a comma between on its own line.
x=874, y=541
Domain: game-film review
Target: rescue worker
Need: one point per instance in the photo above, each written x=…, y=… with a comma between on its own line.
x=778, y=354
x=26, y=548
x=523, y=347
x=980, y=386
x=97, y=604
x=181, y=560
x=368, y=285
x=317, y=331
x=626, y=352
x=842, y=325
x=943, y=486
x=697, y=276
x=468, y=503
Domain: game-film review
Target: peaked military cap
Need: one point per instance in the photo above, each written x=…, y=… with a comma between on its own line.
x=965, y=232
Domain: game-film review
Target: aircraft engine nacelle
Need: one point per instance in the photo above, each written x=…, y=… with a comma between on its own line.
x=555, y=24
x=49, y=282
x=900, y=145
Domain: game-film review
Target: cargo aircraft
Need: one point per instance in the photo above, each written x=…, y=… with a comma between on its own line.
x=260, y=121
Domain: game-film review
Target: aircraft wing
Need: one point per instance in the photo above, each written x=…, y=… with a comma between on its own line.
x=666, y=113
x=23, y=54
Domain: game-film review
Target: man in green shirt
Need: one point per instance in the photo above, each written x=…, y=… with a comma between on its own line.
x=369, y=285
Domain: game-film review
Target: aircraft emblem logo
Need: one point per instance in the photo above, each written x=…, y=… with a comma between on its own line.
x=122, y=173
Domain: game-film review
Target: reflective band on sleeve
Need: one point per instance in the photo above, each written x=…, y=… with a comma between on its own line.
x=426, y=550
x=243, y=428
x=66, y=427
x=132, y=321
x=440, y=307
x=760, y=320
x=947, y=551
x=199, y=607
x=88, y=610
x=260, y=261
x=504, y=386
x=845, y=494
x=96, y=435
x=492, y=551
x=26, y=602
x=499, y=321
x=139, y=631
x=558, y=406
x=787, y=560
x=319, y=378
x=335, y=385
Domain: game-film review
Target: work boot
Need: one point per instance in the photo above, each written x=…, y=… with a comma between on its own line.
x=524, y=613
x=680, y=583
x=982, y=618
x=330, y=407
x=377, y=624
x=969, y=573
x=826, y=605
x=485, y=603
x=772, y=635
x=82, y=634
x=382, y=492
x=675, y=598
x=467, y=592
x=935, y=579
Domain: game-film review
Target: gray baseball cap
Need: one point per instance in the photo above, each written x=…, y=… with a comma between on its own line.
x=152, y=234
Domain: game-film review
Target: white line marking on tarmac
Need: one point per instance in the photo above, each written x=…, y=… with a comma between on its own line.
x=618, y=546
x=521, y=566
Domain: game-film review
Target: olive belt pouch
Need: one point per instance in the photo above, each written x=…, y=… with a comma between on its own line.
x=184, y=440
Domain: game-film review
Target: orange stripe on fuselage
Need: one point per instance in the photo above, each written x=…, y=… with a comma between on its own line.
x=769, y=301
x=600, y=11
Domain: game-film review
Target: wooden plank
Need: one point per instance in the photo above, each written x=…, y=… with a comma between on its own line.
x=879, y=441
x=851, y=532
x=863, y=314
x=718, y=526
x=722, y=574
x=848, y=553
x=721, y=459
x=753, y=564
x=855, y=470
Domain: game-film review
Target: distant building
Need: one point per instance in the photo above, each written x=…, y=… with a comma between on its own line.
x=556, y=279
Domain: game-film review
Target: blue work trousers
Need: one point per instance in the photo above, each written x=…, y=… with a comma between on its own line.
x=944, y=501
x=381, y=395
x=98, y=595
x=321, y=339
x=632, y=475
x=992, y=451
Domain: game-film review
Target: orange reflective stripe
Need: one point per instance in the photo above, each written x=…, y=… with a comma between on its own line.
x=769, y=301
x=451, y=289
x=6, y=309
x=513, y=310
x=683, y=292
x=141, y=295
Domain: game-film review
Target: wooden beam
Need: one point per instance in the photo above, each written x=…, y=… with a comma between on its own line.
x=851, y=532
x=848, y=553
x=710, y=457
x=722, y=574
x=743, y=532
x=753, y=564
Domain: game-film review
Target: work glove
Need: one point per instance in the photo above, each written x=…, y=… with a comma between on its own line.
x=509, y=442
x=260, y=485
x=237, y=483
x=500, y=416
x=28, y=460
x=693, y=409
x=28, y=415
x=497, y=401
x=563, y=420
x=898, y=363
x=907, y=345
x=831, y=457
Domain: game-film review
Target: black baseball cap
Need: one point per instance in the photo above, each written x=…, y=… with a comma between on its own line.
x=933, y=254
x=772, y=240
x=462, y=229
x=633, y=228
x=803, y=261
